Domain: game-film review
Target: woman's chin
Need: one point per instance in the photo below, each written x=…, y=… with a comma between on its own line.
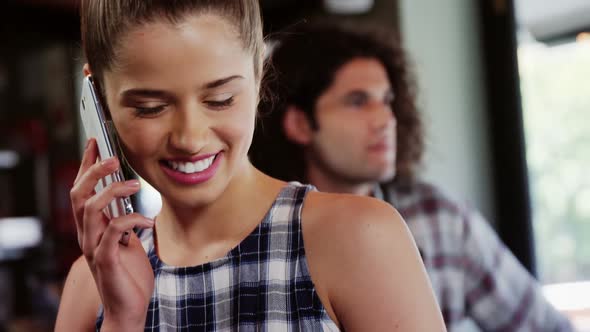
x=193, y=197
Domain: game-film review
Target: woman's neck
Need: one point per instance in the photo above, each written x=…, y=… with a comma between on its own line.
x=191, y=236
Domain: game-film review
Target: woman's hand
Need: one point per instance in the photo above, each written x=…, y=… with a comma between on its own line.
x=123, y=275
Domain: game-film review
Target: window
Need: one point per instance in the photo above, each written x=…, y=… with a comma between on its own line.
x=555, y=88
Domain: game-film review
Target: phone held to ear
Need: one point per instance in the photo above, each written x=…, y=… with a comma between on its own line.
x=98, y=127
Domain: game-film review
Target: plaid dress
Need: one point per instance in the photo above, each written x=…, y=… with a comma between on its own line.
x=263, y=284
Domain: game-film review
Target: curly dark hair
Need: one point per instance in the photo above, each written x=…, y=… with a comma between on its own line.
x=302, y=66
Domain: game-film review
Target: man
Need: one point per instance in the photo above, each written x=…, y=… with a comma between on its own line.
x=343, y=118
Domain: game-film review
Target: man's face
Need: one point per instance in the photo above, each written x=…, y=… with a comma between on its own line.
x=355, y=139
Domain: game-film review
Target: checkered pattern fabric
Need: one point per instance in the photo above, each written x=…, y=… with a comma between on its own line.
x=263, y=284
x=475, y=277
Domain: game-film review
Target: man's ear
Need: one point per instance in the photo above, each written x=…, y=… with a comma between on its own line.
x=296, y=126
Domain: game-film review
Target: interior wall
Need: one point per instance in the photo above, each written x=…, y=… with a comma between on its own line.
x=442, y=38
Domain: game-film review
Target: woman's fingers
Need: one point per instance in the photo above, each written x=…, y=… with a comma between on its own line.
x=88, y=157
x=94, y=224
x=84, y=188
x=106, y=253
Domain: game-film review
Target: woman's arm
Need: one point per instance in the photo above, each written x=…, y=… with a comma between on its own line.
x=367, y=268
x=79, y=301
x=120, y=275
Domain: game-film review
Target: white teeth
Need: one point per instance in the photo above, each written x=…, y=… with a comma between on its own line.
x=189, y=168
x=194, y=167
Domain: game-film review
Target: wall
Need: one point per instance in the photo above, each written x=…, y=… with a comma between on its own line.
x=442, y=38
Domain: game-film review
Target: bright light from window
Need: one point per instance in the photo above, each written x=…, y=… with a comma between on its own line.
x=568, y=296
x=555, y=85
x=8, y=159
x=19, y=233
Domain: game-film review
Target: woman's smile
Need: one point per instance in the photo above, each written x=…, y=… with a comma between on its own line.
x=191, y=171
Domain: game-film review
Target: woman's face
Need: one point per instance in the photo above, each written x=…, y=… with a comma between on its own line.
x=183, y=99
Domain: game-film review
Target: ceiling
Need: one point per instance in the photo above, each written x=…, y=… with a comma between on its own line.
x=550, y=19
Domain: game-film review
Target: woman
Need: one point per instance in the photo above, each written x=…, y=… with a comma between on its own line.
x=232, y=248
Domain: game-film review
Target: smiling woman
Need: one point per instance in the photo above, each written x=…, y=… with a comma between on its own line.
x=193, y=76
x=231, y=248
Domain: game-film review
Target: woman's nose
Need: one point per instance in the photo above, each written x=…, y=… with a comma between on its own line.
x=190, y=131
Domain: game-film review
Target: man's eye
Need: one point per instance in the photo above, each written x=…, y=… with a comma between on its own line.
x=389, y=98
x=220, y=104
x=149, y=111
x=357, y=100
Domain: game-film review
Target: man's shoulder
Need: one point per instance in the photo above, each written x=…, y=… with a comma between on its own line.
x=432, y=213
x=419, y=197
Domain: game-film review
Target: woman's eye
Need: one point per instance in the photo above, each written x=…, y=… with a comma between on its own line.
x=149, y=111
x=220, y=104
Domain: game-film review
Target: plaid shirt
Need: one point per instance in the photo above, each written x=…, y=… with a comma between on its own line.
x=474, y=276
x=263, y=284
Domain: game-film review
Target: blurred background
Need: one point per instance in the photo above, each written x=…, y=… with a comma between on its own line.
x=504, y=86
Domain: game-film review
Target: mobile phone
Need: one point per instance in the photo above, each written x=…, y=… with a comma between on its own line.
x=97, y=126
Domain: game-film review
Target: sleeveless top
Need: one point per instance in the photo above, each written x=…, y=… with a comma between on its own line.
x=263, y=284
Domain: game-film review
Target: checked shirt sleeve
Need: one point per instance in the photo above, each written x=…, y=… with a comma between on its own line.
x=500, y=293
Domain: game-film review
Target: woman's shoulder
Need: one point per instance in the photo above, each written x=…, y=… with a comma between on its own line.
x=364, y=242
x=336, y=210
x=335, y=224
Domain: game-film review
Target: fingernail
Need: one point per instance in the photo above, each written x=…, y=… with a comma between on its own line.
x=87, y=144
x=132, y=183
x=109, y=162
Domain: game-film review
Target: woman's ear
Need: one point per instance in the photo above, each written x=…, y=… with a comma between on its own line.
x=296, y=126
x=86, y=70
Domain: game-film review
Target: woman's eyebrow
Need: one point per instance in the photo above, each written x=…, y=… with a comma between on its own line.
x=220, y=82
x=151, y=93
x=144, y=93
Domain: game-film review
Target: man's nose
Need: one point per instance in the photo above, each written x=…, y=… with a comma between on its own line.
x=382, y=116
